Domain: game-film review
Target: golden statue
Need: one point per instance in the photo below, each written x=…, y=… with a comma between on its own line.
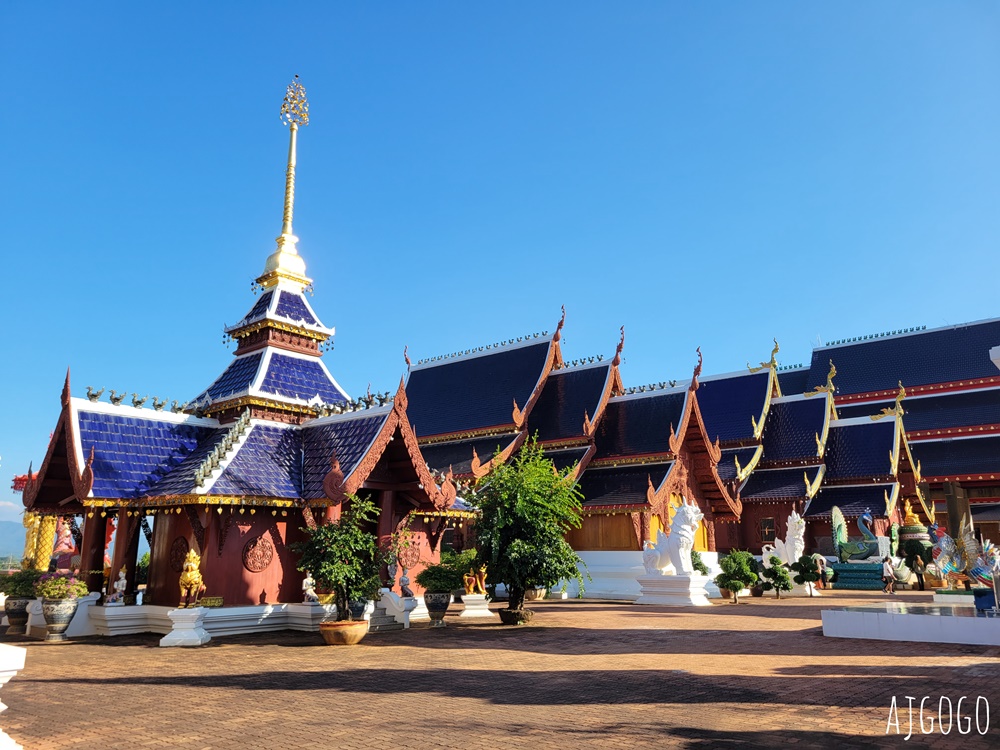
x=192, y=585
x=32, y=522
x=911, y=518
x=475, y=581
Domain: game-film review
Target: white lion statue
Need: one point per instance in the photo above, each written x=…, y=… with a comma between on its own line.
x=654, y=556
x=794, y=545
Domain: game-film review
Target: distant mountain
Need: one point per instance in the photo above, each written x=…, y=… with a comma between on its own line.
x=11, y=538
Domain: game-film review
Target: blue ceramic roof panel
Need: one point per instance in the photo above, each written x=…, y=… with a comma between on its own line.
x=293, y=307
x=939, y=412
x=235, y=379
x=944, y=458
x=620, y=486
x=132, y=454
x=794, y=382
x=268, y=464
x=852, y=501
x=304, y=379
x=563, y=459
x=860, y=451
x=942, y=355
x=469, y=393
x=728, y=404
x=349, y=439
x=458, y=455
x=726, y=468
x=180, y=480
x=778, y=484
x=792, y=428
x=558, y=414
x=634, y=426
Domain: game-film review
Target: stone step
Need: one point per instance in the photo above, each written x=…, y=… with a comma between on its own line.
x=386, y=627
x=382, y=620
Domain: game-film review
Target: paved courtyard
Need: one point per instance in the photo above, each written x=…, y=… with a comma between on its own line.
x=584, y=674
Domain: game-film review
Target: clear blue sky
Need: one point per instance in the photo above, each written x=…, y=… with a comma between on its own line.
x=708, y=174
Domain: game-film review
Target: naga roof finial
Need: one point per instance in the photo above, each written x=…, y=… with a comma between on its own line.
x=559, y=326
x=697, y=371
x=618, y=350
x=899, y=399
x=406, y=356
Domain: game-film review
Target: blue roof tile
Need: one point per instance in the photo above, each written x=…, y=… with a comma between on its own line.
x=131, y=454
x=349, y=438
x=791, y=429
x=938, y=412
x=458, y=455
x=558, y=415
x=620, y=486
x=268, y=464
x=860, y=451
x=293, y=307
x=235, y=379
x=852, y=501
x=727, y=405
x=942, y=355
x=258, y=310
x=727, y=466
x=180, y=480
x=297, y=378
x=778, y=484
x=943, y=458
x=634, y=426
x=563, y=459
x=469, y=393
x=793, y=382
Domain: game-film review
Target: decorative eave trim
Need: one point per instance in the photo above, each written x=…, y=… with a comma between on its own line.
x=983, y=429
x=178, y=501
x=914, y=390
x=813, y=487
x=613, y=462
x=480, y=470
x=743, y=473
x=554, y=360
x=454, y=437
x=271, y=278
x=581, y=465
x=266, y=403
x=890, y=502
x=614, y=510
x=238, y=332
x=942, y=478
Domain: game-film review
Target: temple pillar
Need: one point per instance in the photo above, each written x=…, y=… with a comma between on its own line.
x=710, y=533
x=45, y=542
x=333, y=513
x=92, y=550
x=385, y=524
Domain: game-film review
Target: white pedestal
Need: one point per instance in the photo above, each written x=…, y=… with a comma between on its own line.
x=11, y=661
x=308, y=615
x=476, y=605
x=673, y=591
x=187, y=629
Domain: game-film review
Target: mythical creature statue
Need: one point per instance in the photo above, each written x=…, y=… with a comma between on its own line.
x=475, y=581
x=191, y=583
x=157, y=404
x=683, y=529
x=94, y=395
x=792, y=547
x=893, y=539
x=138, y=402
x=945, y=553
x=847, y=549
x=977, y=566
x=654, y=556
x=117, y=398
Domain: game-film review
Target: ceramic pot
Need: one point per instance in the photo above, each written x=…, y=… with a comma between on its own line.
x=343, y=633
x=358, y=609
x=17, y=615
x=437, y=605
x=757, y=591
x=531, y=595
x=58, y=614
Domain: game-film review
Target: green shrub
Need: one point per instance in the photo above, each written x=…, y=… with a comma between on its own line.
x=439, y=579
x=21, y=584
x=738, y=572
x=697, y=563
x=60, y=586
x=776, y=577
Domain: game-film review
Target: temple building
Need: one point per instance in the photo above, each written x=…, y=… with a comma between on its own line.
x=272, y=445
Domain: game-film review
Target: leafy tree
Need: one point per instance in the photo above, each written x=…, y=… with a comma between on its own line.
x=440, y=579
x=527, y=507
x=738, y=572
x=343, y=557
x=807, y=572
x=776, y=577
x=142, y=569
x=697, y=563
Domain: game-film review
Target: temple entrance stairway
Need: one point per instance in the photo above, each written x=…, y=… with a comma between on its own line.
x=858, y=576
x=381, y=622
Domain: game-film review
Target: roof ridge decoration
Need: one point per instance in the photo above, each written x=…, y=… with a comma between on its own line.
x=476, y=350
x=772, y=363
x=697, y=372
x=884, y=334
x=828, y=387
x=896, y=410
x=218, y=455
x=813, y=487
x=743, y=472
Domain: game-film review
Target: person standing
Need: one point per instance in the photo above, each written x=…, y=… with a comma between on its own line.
x=888, y=578
x=918, y=568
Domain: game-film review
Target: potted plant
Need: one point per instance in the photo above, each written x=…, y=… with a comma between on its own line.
x=527, y=507
x=807, y=572
x=461, y=562
x=737, y=573
x=438, y=581
x=344, y=559
x=60, y=594
x=19, y=588
x=776, y=577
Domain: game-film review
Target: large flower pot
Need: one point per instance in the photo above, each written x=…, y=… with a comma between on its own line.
x=515, y=616
x=534, y=594
x=343, y=633
x=58, y=614
x=437, y=605
x=17, y=615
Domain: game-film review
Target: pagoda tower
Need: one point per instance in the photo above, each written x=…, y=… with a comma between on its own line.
x=278, y=373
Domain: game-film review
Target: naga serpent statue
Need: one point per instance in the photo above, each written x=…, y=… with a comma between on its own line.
x=847, y=549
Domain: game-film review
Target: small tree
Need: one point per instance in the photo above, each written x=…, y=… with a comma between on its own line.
x=738, y=573
x=343, y=557
x=776, y=577
x=697, y=563
x=806, y=571
x=527, y=507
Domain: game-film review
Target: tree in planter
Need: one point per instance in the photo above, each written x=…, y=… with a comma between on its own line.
x=343, y=557
x=776, y=577
x=806, y=571
x=526, y=509
x=738, y=573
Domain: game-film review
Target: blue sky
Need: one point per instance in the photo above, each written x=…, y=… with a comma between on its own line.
x=708, y=174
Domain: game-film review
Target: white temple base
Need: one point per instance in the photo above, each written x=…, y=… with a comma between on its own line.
x=187, y=628
x=11, y=662
x=614, y=575
x=403, y=608
x=673, y=591
x=899, y=621
x=476, y=605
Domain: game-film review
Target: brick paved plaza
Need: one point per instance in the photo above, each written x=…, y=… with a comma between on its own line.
x=586, y=673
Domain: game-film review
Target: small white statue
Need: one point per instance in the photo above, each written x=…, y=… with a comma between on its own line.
x=792, y=547
x=683, y=530
x=117, y=599
x=309, y=595
x=654, y=556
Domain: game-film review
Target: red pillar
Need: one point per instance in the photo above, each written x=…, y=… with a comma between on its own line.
x=92, y=550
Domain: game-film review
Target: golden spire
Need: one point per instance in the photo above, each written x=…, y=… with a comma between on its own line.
x=286, y=262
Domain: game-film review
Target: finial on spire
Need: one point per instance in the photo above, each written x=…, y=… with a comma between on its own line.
x=697, y=371
x=285, y=262
x=406, y=356
x=618, y=350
